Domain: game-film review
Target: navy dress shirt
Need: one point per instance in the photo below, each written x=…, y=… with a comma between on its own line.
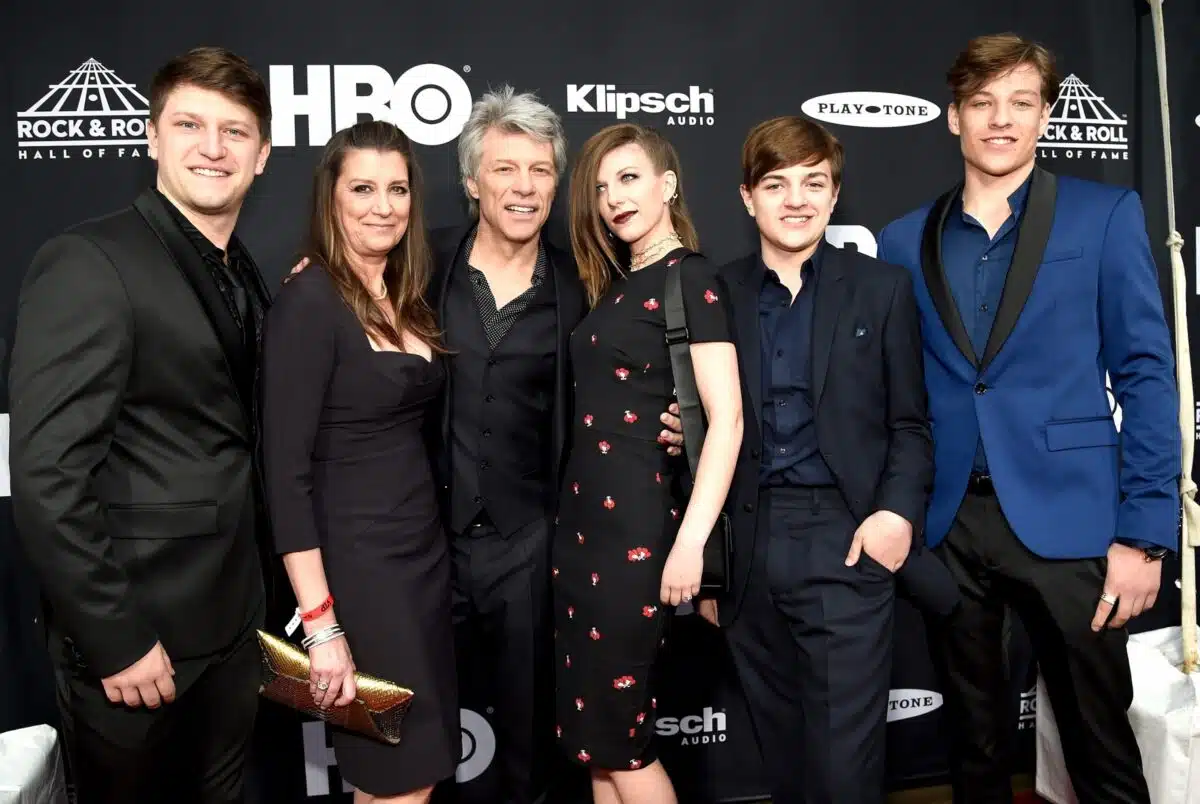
x=790, y=454
x=976, y=267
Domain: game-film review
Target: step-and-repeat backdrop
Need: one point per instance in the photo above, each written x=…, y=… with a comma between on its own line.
x=73, y=92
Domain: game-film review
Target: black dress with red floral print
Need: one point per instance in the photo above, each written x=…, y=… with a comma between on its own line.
x=619, y=512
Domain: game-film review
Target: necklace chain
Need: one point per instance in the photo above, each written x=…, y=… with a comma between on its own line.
x=640, y=259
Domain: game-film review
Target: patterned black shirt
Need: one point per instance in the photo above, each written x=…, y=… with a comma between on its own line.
x=497, y=322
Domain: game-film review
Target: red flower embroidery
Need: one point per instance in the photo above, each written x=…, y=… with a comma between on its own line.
x=578, y=704
x=674, y=513
x=593, y=340
x=604, y=447
x=623, y=682
x=568, y=660
x=622, y=373
x=672, y=261
x=587, y=420
x=594, y=634
x=609, y=503
x=558, y=731
x=710, y=297
x=653, y=703
x=647, y=367
x=658, y=477
x=638, y=554
x=583, y=755
x=554, y=572
x=574, y=488
x=641, y=718
x=634, y=764
x=649, y=611
x=595, y=578
x=632, y=733
x=618, y=299
x=570, y=612
x=630, y=417
x=650, y=304
x=579, y=536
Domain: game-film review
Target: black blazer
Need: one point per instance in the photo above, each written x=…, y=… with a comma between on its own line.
x=132, y=444
x=571, y=304
x=870, y=406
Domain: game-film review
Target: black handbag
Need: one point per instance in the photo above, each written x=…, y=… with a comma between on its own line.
x=718, y=550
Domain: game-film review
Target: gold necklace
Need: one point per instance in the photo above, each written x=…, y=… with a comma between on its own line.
x=381, y=297
x=640, y=259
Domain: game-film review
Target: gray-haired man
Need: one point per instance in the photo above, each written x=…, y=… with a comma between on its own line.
x=507, y=300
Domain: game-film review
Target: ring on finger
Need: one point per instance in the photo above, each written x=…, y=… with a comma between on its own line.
x=322, y=685
x=1109, y=599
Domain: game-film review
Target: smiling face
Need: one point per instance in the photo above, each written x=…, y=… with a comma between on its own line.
x=372, y=199
x=515, y=186
x=792, y=207
x=208, y=149
x=999, y=126
x=633, y=197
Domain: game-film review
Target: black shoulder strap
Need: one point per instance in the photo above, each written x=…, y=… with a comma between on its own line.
x=690, y=411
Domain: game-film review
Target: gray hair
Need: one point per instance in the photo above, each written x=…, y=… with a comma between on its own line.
x=513, y=113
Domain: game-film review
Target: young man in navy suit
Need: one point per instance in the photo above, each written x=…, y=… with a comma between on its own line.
x=1031, y=287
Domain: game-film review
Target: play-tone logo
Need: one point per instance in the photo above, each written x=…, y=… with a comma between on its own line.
x=1083, y=126
x=430, y=103
x=92, y=113
x=870, y=109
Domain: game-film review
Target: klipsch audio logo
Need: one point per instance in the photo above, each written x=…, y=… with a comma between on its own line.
x=430, y=103
x=1083, y=126
x=870, y=109
x=691, y=108
x=702, y=729
x=905, y=703
x=91, y=113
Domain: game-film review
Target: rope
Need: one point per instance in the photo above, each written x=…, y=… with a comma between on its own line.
x=1190, y=535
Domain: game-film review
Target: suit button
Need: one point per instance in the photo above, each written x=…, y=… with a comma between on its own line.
x=484, y=465
x=489, y=398
x=487, y=433
x=491, y=361
x=980, y=388
x=753, y=453
x=748, y=508
x=478, y=499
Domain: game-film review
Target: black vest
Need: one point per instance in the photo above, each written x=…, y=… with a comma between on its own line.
x=501, y=403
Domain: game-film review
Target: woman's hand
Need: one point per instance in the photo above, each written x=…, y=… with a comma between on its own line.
x=681, y=575
x=331, y=677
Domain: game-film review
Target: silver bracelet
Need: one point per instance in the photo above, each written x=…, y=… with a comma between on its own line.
x=326, y=634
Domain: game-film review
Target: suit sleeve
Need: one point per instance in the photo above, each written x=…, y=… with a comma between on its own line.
x=908, y=474
x=71, y=359
x=1136, y=349
x=297, y=363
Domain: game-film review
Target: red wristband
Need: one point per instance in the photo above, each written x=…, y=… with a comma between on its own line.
x=325, y=606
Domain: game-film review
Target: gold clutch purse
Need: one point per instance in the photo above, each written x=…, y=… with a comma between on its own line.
x=378, y=707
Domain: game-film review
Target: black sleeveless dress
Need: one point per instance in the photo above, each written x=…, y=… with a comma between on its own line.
x=619, y=513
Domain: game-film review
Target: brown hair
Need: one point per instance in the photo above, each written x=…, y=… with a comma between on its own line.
x=406, y=274
x=219, y=70
x=785, y=141
x=596, y=251
x=989, y=57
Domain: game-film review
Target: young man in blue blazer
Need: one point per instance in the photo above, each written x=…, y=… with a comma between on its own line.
x=1031, y=287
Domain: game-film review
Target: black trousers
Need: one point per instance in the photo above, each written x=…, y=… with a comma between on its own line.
x=504, y=644
x=191, y=750
x=812, y=644
x=1086, y=674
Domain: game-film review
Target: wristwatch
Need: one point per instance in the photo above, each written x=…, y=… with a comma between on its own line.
x=1152, y=552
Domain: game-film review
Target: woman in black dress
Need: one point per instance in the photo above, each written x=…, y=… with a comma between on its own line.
x=348, y=377
x=628, y=549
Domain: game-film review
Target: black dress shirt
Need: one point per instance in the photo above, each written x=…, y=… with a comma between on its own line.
x=497, y=322
x=791, y=456
x=976, y=267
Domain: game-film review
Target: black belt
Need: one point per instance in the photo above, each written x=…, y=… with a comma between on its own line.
x=980, y=483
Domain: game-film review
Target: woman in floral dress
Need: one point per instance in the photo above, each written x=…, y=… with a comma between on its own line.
x=628, y=548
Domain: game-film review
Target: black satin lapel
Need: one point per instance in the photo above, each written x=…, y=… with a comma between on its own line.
x=1032, y=236
x=749, y=336
x=192, y=266
x=935, y=275
x=832, y=292
x=568, y=309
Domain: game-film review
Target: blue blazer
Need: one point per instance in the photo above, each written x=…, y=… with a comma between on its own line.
x=1081, y=299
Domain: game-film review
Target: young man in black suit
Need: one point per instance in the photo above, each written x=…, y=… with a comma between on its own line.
x=829, y=496
x=134, y=482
